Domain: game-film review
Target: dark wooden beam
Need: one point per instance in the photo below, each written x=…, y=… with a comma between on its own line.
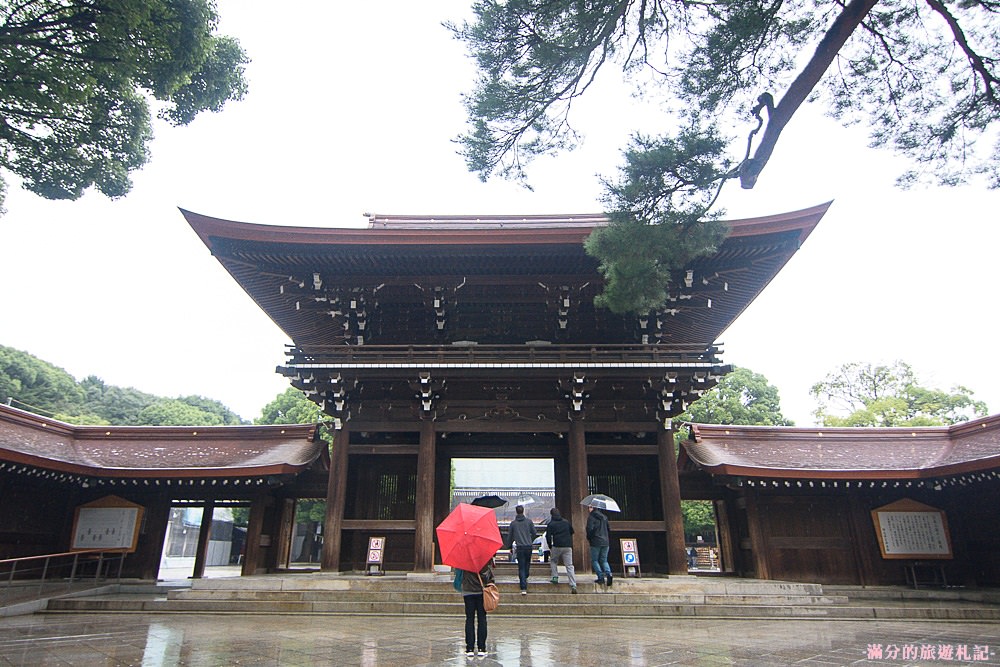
x=671, y=494
x=372, y=525
x=204, y=533
x=423, y=543
x=255, y=525
x=336, y=494
x=577, y=455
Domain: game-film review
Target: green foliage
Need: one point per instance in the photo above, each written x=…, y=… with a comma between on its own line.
x=699, y=518
x=310, y=510
x=187, y=411
x=215, y=409
x=290, y=407
x=34, y=384
x=865, y=394
x=117, y=405
x=77, y=77
x=241, y=516
x=659, y=219
x=741, y=397
x=924, y=78
x=40, y=387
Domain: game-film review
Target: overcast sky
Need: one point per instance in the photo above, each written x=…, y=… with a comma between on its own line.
x=359, y=116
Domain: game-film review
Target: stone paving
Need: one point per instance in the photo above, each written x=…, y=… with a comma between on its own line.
x=155, y=640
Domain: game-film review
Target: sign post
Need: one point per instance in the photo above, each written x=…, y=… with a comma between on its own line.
x=376, y=555
x=911, y=531
x=630, y=557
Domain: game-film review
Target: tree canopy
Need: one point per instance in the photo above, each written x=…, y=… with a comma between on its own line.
x=290, y=407
x=865, y=394
x=922, y=75
x=740, y=397
x=35, y=385
x=77, y=78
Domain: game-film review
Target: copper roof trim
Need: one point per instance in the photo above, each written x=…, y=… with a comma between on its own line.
x=845, y=452
x=156, y=451
x=471, y=230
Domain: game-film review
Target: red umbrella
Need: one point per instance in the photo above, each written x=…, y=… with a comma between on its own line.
x=469, y=537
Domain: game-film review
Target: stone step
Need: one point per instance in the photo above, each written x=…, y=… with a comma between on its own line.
x=896, y=593
x=526, y=609
x=677, y=597
x=679, y=584
x=552, y=597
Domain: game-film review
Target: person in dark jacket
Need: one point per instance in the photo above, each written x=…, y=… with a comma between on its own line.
x=472, y=594
x=600, y=541
x=559, y=535
x=522, y=533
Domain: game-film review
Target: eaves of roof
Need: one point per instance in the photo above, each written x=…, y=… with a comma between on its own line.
x=845, y=453
x=156, y=451
x=469, y=230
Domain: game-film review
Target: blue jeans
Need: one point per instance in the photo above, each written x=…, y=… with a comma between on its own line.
x=599, y=559
x=523, y=564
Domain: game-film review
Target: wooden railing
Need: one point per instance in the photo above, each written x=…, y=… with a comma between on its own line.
x=483, y=354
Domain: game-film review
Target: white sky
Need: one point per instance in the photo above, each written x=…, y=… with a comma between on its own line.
x=358, y=115
x=504, y=473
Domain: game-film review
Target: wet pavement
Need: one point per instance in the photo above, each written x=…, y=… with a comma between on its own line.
x=154, y=640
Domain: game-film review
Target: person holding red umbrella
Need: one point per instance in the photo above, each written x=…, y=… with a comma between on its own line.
x=469, y=538
x=475, y=611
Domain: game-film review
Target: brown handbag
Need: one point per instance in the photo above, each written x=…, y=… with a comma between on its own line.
x=491, y=595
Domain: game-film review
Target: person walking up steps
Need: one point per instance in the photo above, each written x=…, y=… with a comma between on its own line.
x=522, y=533
x=559, y=534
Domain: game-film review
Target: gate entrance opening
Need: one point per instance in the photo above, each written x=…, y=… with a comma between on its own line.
x=526, y=482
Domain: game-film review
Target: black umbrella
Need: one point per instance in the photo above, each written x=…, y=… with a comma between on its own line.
x=489, y=501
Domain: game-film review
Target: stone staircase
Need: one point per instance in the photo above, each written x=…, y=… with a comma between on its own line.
x=401, y=594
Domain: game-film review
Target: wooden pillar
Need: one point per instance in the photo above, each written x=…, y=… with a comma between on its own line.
x=727, y=548
x=560, y=473
x=423, y=543
x=670, y=491
x=336, y=495
x=204, y=535
x=156, y=521
x=758, y=540
x=283, y=541
x=252, y=557
x=577, y=490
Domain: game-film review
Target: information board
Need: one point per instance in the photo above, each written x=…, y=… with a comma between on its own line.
x=911, y=530
x=108, y=523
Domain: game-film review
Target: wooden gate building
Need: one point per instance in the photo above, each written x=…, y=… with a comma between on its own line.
x=429, y=338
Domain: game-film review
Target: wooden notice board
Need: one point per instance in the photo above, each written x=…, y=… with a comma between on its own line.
x=107, y=523
x=908, y=529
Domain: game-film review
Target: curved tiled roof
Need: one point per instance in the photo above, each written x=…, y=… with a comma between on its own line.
x=156, y=451
x=498, y=262
x=845, y=452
